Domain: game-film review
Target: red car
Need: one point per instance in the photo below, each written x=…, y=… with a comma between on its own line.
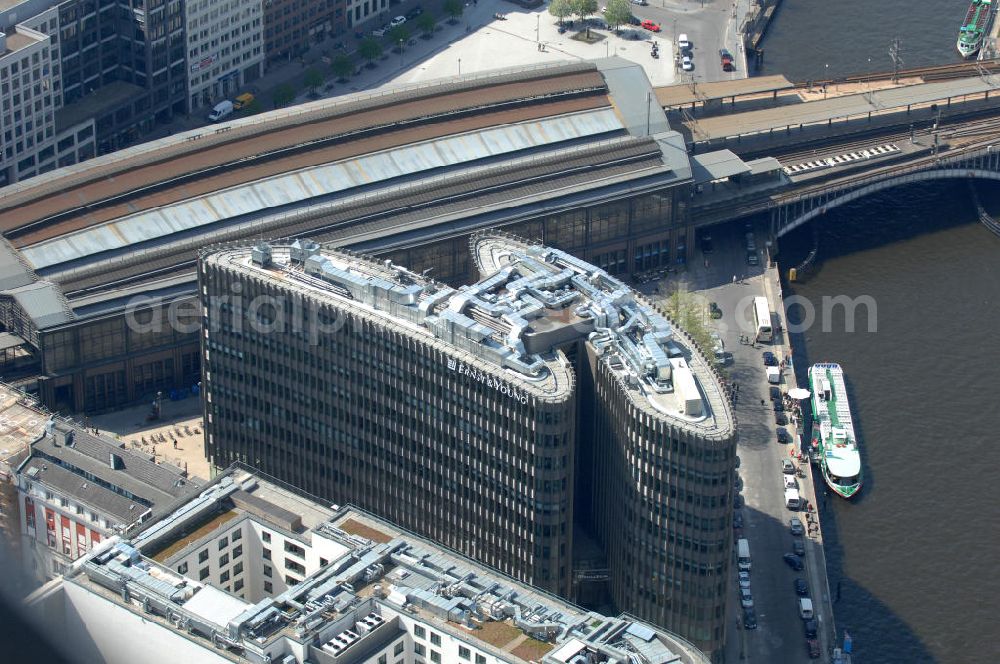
x=649, y=25
x=812, y=646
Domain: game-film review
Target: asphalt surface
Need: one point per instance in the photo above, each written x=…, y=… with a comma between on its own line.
x=709, y=26
x=779, y=636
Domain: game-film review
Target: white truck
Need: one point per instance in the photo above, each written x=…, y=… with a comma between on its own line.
x=743, y=554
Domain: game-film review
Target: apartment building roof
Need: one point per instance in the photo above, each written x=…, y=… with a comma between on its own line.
x=357, y=602
x=104, y=474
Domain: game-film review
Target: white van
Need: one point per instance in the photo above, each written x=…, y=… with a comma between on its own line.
x=743, y=554
x=682, y=42
x=792, y=499
x=805, y=608
x=773, y=375
x=221, y=111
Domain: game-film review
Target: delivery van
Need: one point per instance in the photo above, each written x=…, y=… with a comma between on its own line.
x=792, y=499
x=221, y=111
x=805, y=608
x=743, y=554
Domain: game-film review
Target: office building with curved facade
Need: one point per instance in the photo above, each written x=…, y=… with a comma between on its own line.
x=506, y=419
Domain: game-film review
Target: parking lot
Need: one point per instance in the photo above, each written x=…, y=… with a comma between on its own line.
x=780, y=634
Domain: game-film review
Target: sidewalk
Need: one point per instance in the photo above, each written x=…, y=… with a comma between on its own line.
x=468, y=46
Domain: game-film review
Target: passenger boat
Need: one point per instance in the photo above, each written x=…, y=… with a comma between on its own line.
x=970, y=36
x=833, y=436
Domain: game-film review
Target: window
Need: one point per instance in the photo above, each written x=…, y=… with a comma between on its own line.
x=436, y=639
x=237, y=585
x=268, y=588
x=223, y=560
x=419, y=632
x=237, y=568
x=203, y=556
x=294, y=549
x=398, y=650
x=236, y=536
x=464, y=653
x=223, y=543
x=419, y=649
x=268, y=571
x=323, y=562
x=267, y=554
x=290, y=580
x=435, y=657
x=237, y=552
x=266, y=536
x=182, y=568
x=480, y=659
x=223, y=577
x=382, y=659
x=293, y=566
x=203, y=574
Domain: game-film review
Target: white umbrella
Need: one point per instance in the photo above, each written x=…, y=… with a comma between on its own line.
x=799, y=393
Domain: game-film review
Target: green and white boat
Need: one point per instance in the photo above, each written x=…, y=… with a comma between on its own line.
x=833, y=436
x=977, y=20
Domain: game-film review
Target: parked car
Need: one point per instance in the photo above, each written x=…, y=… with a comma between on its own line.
x=780, y=419
x=737, y=501
x=243, y=100
x=714, y=311
x=744, y=579
x=752, y=257
x=787, y=467
x=682, y=42
x=790, y=481
x=783, y=436
x=801, y=588
x=727, y=60
x=793, y=561
x=398, y=21
x=812, y=647
x=778, y=406
x=795, y=525
x=737, y=520
x=810, y=628
x=380, y=32
x=687, y=64
x=652, y=26
x=774, y=392
x=749, y=619
x=746, y=598
x=415, y=12
x=642, y=3
x=798, y=548
x=769, y=359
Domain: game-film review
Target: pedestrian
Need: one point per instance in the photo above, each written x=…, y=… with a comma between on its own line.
x=734, y=278
x=762, y=402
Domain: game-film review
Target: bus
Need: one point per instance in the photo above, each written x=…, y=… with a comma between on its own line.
x=762, y=318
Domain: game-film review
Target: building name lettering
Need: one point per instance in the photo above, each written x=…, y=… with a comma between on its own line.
x=487, y=380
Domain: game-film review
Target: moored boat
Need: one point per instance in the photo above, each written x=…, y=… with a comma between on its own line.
x=833, y=437
x=970, y=35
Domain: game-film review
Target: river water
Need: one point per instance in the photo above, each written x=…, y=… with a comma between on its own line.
x=916, y=557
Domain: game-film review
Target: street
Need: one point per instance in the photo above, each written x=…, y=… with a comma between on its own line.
x=779, y=636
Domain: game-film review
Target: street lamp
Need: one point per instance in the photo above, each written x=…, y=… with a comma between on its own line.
x=400, y=53
x=826, y=81
x=460, y=66
x=538, y=21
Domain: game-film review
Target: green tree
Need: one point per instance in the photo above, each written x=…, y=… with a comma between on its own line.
x=454, y=9
x=618, y=13
x=253, y=108
x=426, y=23
x=313, y=78
x=342, y=66
x=370, y=50
x=584, y=8
x=283, y=95
x=561, y=9
x=399, y=35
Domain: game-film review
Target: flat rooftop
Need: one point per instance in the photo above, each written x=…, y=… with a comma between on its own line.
x=373, y=582
x=22, y=422
x=18, y=40
x=107, y=99
x=685, y=94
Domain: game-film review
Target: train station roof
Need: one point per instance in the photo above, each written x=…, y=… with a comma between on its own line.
x=682, y=94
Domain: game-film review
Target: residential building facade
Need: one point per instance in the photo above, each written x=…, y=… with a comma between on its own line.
x=494, y=417
x=76, y=489
x=292, y=26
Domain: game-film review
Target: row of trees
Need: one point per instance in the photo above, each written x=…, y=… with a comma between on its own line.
x=370, y=49
x=617, y=12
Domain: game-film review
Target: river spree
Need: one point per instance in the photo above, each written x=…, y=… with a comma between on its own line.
x=916, y=556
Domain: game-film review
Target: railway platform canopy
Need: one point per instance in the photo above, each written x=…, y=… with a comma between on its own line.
x=675, y=96
x=945, y=95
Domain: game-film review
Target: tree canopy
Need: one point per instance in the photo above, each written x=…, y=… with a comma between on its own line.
x=619, y=12
x=370, y=50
